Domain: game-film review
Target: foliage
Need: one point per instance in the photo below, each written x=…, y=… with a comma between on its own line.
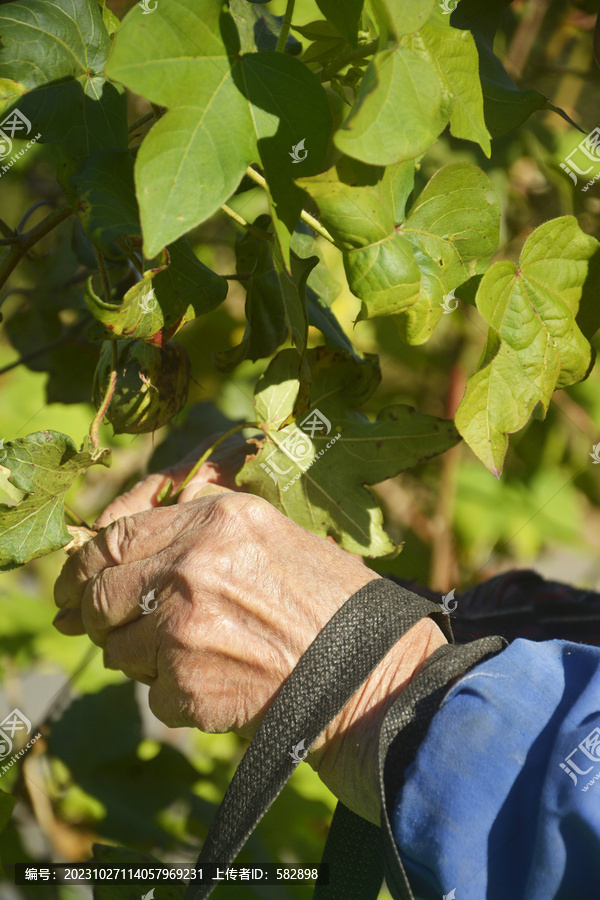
x=351, y=168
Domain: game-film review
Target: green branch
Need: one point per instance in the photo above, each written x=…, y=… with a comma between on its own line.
x=306, y=217
x=285, y=28
x=22, y=244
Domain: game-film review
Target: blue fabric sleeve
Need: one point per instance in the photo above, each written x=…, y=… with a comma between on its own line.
x=502, y=801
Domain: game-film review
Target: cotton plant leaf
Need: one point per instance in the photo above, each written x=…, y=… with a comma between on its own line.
x=406, y=270
x=506, y=106
x=226, y=110
x=534, y=344
x=454, y=54
x=401, y=109
x=398, y=17
x=324, y=488
x=43, y=466
x=275, y=302
x=259, y=29
x=52, y=59
x=344, y=15
x=102, y=192
x=165, y=299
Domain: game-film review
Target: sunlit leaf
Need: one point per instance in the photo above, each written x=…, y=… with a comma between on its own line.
x=534, y=345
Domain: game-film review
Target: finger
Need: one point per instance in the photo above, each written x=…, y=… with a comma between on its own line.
x=127, y=540
x=132, y=651
x=68, y=621
x=123, y=594
x=142, y=496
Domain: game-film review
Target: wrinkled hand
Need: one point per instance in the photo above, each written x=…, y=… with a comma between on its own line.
x=242, y=591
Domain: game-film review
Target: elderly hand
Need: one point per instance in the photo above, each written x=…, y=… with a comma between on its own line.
x=242, y=591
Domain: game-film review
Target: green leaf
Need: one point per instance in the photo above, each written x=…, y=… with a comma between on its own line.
x=399, y=17
x=166, y=297
x=534, y=345
x=266, y=324
x=506, y=106
x=105, y=200
x=259, y=29
x=321, y=487
x=44, y=465
x=449, y=235
x=54, y=54
x=360, y=204
x=454, y=54
x=233, y=110
x=356, y=216
x=345, y=15
x=400, y=110
x=320, y=279
x=292, y=288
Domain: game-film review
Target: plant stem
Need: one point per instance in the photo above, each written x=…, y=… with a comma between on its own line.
x=97, y=420
x=265, y=235
x=342, y=61
x=239, y=276
x=141, y=121
x=314, y=223
x=285, y=28
x=27, y=240
x=103, y=274
x=5, y=229
x=130, y=255
x=306, y=217
x=206, y=455
x=31, y=210
x=76, y=519
x=87, y=320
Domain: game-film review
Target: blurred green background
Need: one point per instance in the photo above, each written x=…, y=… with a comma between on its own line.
x=107, y=770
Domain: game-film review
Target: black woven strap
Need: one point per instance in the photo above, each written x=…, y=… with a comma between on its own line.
x=332, y=669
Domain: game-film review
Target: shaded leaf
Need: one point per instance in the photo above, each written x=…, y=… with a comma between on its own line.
x=534, y=345
x=259, y=29
x=55, y=54
x=44, y=465
x=345, y=15
x=166, y=297
x=198, y=73
x=322, y=487
x=506, y=105
x=104, y=197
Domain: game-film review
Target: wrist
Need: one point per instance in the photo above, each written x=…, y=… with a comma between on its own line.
x=345, y=756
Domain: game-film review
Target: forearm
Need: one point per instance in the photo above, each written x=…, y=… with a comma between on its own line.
x=345, y=756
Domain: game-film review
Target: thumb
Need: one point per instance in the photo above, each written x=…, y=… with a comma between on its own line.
x=192, y=492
